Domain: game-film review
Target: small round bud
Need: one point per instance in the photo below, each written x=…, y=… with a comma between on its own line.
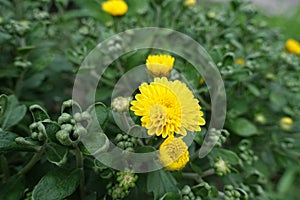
x=119, y=137
x=260, y=118
x=80, y=131
x=77, y=117
x=85, y=115
x=41, y=136
x=63, y=137
x=222, y=168
x=64, y=118
x=120, y=104
x=67, y=127
x=33, y=126
x=186, y=189
x=34, y=135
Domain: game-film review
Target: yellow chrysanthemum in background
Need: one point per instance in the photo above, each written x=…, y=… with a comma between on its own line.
x=115, y=7
x=286, y=123
x=167, y=107
x=240, y=61
x=292, y=46
x=190, y=2
x=160, y=65
x=173, y=153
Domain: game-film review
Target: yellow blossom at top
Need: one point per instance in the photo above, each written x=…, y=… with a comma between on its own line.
x=292, y=46
x=160, y=65
x=167, y=107
x=190, y=2
x=115, y=7
x=173, y=153
x=286, y=120
x=286, y=123
x=240, y=61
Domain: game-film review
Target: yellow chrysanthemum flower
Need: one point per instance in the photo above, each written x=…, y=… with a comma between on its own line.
x=286, y=123
x=167, y=107
x=160, y=65
x=115, y=7
x=292, y=46
x=240, y=61
x=190, y=2
x=173, y=153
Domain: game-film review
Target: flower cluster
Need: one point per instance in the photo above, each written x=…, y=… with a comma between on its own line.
x=168, y=109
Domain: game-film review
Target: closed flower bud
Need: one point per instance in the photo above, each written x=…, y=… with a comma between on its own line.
x=63, y=137
x=186, y=189
x=260, y=118
x=85, y=115
x=77, y=117
x=120, y=104
x=67, y=127
x=33, y=126
x=222, y=168
x=79, y=130
x=34, y=135
x=41, y=136
x=64, y=118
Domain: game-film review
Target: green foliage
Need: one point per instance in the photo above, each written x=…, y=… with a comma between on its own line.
x=42, y=156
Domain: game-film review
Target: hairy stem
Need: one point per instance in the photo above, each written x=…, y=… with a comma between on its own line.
x=79, y=163
x=35, y=158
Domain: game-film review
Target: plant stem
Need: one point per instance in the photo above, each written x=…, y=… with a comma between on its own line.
x=79, y=163
x=19, y=83
x=208, y=173
x=193, y=176
x=197, y=177
x=158, y=10
x=35, y=158
x=4, y=166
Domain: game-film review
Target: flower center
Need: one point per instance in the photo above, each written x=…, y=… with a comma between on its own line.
x=158, y=119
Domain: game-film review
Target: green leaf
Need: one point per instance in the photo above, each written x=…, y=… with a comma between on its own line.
x=243, y=127
x=253, y=89
x=171, y=196
x=8, y=143
x=13, y=113
x=3, y=103
x=57, y=184
x=51, y=129
x=287, y=180
x=38, y=113
x=160, y=182
x=137, y=7
x=226, y=155
x=12, y=189
x=101, y=111
x=56, y=154
x=94, y=143
x=144, y=149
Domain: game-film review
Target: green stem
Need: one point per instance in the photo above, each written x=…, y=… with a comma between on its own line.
x=19, y=83
x=196, y=177
x=79, y=163
x=4, y=166
x=35, y=158
x=208, y=173
x=158, y=10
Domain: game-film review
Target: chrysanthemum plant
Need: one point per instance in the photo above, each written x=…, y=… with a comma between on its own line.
x=42, y=156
